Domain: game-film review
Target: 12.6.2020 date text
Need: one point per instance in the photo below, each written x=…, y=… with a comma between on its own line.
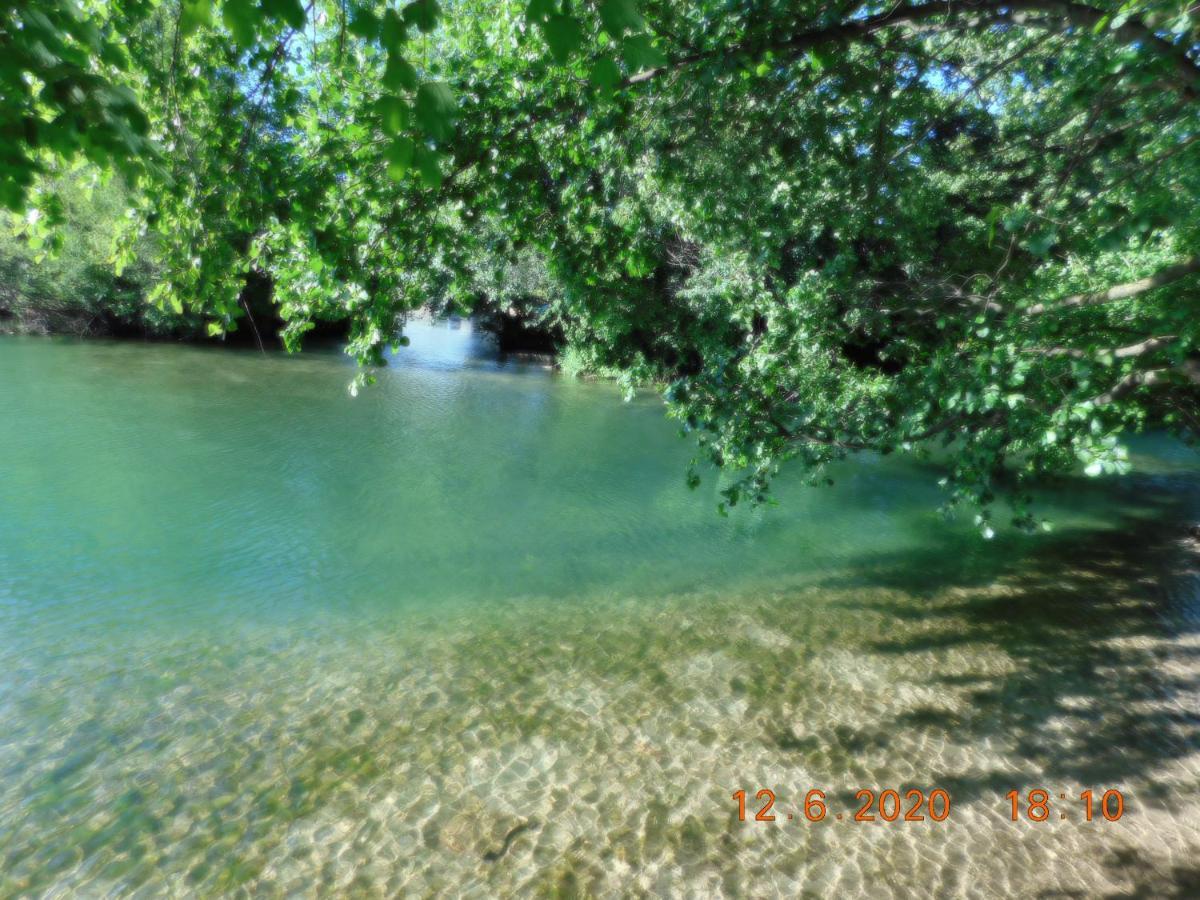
x=887, y=805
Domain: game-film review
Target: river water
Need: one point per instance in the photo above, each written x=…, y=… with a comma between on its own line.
x=469, y=634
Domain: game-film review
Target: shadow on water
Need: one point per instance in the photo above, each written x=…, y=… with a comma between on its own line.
x=1098, y=627
x=1086, y=620
x=1177, y=883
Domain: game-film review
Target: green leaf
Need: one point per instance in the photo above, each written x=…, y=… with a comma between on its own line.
x=436, y=109
x=399, y=73
x=242, y=19
x=429, y=166
x=393, y=33
x=422, y=13
x=195, y=13
x=640, y=54
x=619, y=16
x=605, y=74
x=993, y=217
x=563, y=34
x=393, y=113
x=399, y=155
x=86, y=32
x=1016, y=220
x=363, y=22
x=539, y=11
x=289, y=11
x=214, y=329
x=1041, y=243
x=115, y=55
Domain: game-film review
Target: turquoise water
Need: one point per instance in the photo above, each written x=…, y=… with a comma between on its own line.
x=469, y=633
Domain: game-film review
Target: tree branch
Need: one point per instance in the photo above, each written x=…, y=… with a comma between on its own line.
x=1147, y=378
x=1121, y=291
x=1132, y=31
x=1129, y=383
x=1132, y=350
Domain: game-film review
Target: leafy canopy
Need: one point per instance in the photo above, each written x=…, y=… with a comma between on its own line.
x=968, y=229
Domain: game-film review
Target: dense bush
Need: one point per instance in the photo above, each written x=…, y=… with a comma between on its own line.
x=74, y=288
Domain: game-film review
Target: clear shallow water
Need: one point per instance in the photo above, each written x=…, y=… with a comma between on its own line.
x=257, y=636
